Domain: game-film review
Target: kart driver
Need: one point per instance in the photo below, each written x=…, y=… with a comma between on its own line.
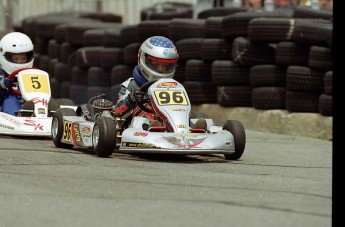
x=157, y=58
x=16, y=52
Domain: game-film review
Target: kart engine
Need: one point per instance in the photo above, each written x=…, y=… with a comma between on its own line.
x=100, y=106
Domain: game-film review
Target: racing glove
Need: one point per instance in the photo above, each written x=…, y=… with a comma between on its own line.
x=6, y=83
x=136, y=96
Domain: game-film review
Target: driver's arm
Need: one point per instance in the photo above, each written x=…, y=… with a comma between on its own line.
x=2, y=91
x=5, y=82
x=123, y=107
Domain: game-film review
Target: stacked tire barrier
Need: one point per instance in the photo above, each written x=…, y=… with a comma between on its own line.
x=233, y=57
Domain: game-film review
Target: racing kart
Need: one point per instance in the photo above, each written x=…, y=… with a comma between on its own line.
x=94, y=126
x=35, y=117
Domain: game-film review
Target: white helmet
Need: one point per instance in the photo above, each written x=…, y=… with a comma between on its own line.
x=157, y=58
x=16, y=43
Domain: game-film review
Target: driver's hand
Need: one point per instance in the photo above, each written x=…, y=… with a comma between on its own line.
x=6, y=83
x=136, y=96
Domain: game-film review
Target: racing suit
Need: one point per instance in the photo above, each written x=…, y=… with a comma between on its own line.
x=124, y=108
x=9, y=103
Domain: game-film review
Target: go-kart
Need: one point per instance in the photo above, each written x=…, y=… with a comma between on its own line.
x=35, y=117
x=94, y=126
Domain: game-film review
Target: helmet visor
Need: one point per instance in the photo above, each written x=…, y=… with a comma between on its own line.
x=160, y=65
x=19, y=58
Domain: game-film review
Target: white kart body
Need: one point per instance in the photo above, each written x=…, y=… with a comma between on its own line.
x=35, y=86
x=177, y=134
x=170, y=101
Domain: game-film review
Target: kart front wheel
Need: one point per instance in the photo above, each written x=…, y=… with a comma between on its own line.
x=237, y=130
x=57, y=126
x=104, y=136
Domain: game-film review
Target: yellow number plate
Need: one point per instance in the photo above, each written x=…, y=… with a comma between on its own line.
x=36, y=83
x=67, y=125
x=171, y=98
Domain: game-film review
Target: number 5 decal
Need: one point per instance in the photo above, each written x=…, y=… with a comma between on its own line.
x=35, y=82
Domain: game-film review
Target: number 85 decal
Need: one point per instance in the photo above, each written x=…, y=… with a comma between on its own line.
x=171, y=98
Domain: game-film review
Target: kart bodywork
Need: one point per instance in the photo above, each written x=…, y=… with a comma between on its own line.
x=34, y=87
x=98, y=129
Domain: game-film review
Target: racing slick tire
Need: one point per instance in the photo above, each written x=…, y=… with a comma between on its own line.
x=65, y=101
x=237, y=130
x=104, y=136
x=197, y=114
x=57, y=126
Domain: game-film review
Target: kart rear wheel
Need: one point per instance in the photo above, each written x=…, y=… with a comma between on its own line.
x=237, y=130
x=65, y=101
x=57, y=126
x=53, y=105
x=197, y=114
x=104, y=136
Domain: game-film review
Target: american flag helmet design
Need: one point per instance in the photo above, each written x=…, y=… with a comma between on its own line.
x=157, y=58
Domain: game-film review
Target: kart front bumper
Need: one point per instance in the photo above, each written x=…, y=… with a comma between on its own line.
x=173, y=151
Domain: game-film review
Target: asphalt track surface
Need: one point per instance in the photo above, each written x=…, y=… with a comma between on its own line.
x=279, y=181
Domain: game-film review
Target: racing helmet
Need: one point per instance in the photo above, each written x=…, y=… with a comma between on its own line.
x=16, y=52
x=157, y=58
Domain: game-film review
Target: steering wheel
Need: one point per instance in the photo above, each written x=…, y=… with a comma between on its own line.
x=142, y=103
x=11, y=76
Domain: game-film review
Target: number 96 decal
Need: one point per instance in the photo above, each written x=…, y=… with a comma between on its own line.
x=171, y=98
